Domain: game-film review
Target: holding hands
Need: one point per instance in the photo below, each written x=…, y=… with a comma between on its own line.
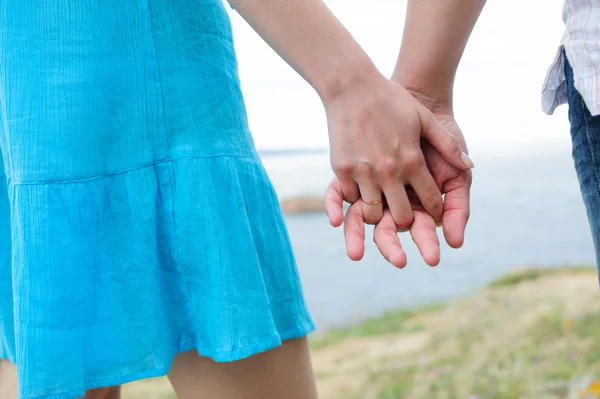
x=454, y=183
x=376, y=128
x=395, y=147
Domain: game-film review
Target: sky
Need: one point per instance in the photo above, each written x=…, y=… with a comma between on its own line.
x=497, y=91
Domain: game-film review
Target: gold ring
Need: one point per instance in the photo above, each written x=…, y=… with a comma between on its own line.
x=379, y=201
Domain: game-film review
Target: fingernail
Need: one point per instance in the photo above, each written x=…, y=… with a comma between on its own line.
x=467, y=161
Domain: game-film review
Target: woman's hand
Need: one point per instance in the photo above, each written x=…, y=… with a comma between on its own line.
x=375, y=130
x=374, y=124
x=454, y=182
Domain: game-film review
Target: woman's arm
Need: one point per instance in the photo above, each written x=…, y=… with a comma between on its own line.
x=375, y=125
x=435, y=35
x=307, y=35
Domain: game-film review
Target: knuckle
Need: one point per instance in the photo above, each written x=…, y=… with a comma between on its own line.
x=452, y=143
x=373, y=218
x=403, y=229
x=404, y=222
x=363, y=168
x=435, y=202
x=387, y=166
x=412, y=161
x=343, y=169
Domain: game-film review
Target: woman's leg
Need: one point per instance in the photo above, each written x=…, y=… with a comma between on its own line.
x=103, y=393
x=283, y=372
x=8, y=380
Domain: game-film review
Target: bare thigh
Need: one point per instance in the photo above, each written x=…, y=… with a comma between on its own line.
x=103, y=393
x=8, y=380
x=283, y=372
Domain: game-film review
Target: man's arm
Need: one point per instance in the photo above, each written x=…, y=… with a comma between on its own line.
x=435, y=35
x=365, y=111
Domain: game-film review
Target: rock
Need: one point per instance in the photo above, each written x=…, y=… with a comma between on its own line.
x=304, y=204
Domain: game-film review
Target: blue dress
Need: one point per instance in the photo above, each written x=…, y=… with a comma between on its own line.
x=137, y=220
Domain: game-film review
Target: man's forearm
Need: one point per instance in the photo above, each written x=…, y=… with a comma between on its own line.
x=310, y=38
x=435, y=35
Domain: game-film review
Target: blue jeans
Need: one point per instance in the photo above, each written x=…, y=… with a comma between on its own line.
x=585, y=134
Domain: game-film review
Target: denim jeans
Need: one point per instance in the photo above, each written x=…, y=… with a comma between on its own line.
x=585, y=134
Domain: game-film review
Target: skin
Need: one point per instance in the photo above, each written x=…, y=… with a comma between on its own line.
x=427, y=64
x=8, y=380
x=104, y=393
x=452, y=181
x=283, y=372
x=375, y=125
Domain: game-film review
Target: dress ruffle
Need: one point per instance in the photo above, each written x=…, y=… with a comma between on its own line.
x=114, y=275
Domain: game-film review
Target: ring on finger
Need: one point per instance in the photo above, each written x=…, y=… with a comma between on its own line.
x=376, y=202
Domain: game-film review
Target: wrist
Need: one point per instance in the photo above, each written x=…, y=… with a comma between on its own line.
x=436, y=96
x=347, y=78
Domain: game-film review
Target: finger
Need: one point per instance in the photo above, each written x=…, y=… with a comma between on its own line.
x=428, y=193
x=425, y=237
x=446, y=143
x=370, y=192
x=354, y=232
x=350, y=192
x=334, y=203
x=387, y=241
x=399, y=206
x=456, y=209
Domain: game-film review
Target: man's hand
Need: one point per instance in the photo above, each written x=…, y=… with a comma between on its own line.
x=454, y=183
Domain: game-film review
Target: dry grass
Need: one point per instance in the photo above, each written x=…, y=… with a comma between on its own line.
x=531, y=335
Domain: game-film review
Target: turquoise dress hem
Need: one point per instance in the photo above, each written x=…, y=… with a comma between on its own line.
x=262, y=346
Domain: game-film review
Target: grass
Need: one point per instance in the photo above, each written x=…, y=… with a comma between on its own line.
x=516, y=278
x=390, y=322
x=533, y=273
x=541, y=342
x=508, y=341
x=397, y=386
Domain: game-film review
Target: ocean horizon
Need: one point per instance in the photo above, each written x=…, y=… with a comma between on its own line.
x=524, y=211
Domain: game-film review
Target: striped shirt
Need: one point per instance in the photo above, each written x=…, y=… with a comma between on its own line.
x=581, y=44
